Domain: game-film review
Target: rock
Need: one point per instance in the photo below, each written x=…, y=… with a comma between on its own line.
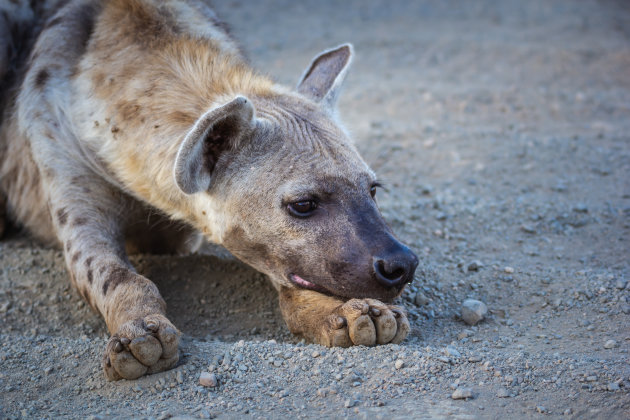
x=473, y=311
x=580, y=208
x=610, y=344
x=613, y=386
x=421, y=299
x=508, y=270
x=399, y=364
x=350, y=403
x=475, y=266
x=315, y=354
x=179, y=377
x=503, y=393
x=621, y=284
x=208, y=379
x=452, y=351
x=528, y=229
x=462, y=394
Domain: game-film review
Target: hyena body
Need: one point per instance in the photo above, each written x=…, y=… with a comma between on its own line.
x=138, y=126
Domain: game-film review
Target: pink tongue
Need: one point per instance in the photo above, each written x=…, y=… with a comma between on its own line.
x=299, y=280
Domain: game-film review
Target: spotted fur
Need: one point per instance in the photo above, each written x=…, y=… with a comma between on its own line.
x=137, y=125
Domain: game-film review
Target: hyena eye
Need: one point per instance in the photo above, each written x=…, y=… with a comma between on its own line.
x=302, y=208
x=374, y=187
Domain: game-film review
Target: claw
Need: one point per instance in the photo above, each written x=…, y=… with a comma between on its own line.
x=152, y=326
x=375, y=312
x=339, y=322
x=397, y=313
x=125, y=341
x=118, y=347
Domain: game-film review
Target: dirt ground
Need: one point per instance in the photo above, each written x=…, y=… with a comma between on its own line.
x=502, y=132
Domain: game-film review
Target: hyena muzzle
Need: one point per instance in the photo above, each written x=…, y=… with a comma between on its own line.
x=137, y=125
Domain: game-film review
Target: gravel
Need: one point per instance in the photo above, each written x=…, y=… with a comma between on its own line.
x=502, y=144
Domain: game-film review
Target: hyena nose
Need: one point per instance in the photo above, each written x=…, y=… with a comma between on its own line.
x=396, y=268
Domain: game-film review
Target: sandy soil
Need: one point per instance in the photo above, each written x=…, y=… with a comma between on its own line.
x=502, y=132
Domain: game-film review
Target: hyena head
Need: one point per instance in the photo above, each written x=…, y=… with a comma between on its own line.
x=290, y=194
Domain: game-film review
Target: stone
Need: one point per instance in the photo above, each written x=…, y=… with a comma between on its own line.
x=613, y=386
x=610, y=344
x=399, y=364
x=475, y=266
x=208, y=379
x=452, y=351
x=421, y=299
x=462, y=394
x=503, y=393
x=473, y=311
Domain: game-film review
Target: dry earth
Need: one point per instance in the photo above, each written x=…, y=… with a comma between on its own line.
x=502, y=130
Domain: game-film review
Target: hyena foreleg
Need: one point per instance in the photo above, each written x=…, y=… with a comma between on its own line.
x=89, y=217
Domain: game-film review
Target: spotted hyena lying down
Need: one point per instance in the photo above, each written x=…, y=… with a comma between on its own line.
x=137, y=126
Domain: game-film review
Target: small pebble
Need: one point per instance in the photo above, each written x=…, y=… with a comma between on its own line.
x=508, y=270
x=208, y=379
x=503, y=393
x=473, y=311
x=462, y=394
x=399, y=364
x=179, y=377
x=421, y=299
x=613, y=386
x=610, y=344
x=452, y=351
x=475, y=266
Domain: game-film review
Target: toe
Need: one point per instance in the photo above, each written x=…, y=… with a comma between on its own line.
x=402, y=325
x=166, y=333
x=384, y=321
x=147, y=349
x=386, y=327
x=163, y=364
x=362, y=331
x=360, y=327
x=119, y=363
x=108, y=369
x=127, y=366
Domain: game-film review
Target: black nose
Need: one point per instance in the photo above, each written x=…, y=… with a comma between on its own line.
x=395, y=268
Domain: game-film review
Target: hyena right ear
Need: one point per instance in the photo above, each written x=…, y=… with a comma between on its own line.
x=322, y=80
x=216, y=131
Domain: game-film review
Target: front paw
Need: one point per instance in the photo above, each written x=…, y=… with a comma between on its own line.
x=364, y=322
x=141, y=346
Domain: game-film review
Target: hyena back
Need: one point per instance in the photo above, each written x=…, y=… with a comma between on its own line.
x=141, y=113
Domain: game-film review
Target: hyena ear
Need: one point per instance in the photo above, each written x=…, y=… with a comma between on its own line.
x=322, y=80
x=220, y=129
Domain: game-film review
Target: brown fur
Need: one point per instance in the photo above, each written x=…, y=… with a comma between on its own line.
x=139, y=126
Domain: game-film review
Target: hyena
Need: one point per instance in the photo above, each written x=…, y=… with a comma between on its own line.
x=138, y=126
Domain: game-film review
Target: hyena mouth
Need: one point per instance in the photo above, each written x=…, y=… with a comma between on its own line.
x=305, y=284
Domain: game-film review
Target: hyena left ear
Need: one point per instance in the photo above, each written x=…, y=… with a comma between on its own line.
x=322, y=80
x=220, y=129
